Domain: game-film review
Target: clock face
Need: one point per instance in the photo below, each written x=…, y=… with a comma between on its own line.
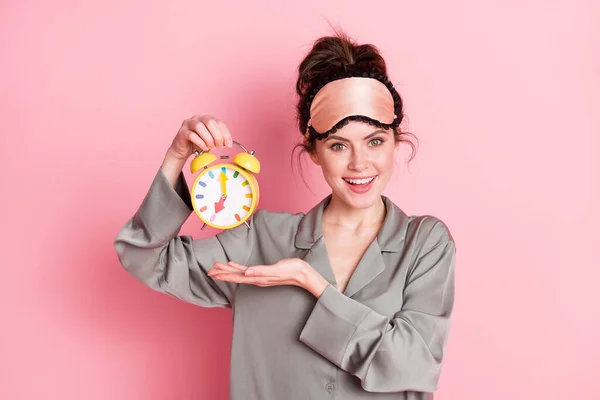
x=224, y=195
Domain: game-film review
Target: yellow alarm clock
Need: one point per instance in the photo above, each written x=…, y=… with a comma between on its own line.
x=225, y=195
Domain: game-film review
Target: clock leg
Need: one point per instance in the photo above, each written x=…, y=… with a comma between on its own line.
x=247, y=224
x=203, y=226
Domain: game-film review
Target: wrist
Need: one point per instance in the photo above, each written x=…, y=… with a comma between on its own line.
x=171, y=161
x=171, y=158
x=172, y=166
x=313, y=281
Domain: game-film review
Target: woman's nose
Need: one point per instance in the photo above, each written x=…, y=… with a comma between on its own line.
x=358, y=161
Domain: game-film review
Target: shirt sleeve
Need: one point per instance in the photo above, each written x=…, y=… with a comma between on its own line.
x=150, y=249
x=403, y=353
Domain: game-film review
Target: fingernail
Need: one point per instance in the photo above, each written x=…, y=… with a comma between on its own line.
x=249, y=272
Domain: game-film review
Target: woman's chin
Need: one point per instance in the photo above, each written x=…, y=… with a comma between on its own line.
x=360, y=200
x=365, y=201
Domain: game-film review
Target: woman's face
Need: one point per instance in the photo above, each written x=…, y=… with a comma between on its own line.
x=357, y=162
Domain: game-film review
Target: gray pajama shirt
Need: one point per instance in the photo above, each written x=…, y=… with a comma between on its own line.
x=383, y=338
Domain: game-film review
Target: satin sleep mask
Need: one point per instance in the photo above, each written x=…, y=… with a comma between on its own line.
x=366, y=97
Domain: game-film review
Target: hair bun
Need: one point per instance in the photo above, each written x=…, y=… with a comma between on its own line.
x=334, y=55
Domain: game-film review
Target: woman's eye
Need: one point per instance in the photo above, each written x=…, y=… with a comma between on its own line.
x=337, y=147
x=376, y=142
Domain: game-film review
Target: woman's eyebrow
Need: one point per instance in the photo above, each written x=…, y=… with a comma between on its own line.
x=370, y=135
x=336, y=137
x=375, y=133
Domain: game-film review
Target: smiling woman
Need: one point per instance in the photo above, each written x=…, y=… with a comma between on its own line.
x=356, y=292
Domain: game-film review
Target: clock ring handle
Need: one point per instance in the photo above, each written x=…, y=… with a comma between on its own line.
x=246, y=160
x=251, y=152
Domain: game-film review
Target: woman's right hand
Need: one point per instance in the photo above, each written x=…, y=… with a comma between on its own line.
x=200, y=132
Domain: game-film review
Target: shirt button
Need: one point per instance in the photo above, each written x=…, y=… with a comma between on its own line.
x=329, y=387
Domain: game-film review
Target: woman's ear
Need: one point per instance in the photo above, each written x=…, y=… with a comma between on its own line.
x=314, y=157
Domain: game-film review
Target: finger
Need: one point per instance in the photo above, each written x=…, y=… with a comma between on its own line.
x=215, y=131
x=226, y=134
x=226, y=267
x=234, y=277
x=252, y=280
x=196, y=140
x=238, y=266
x=246, y=280
x=216, y=271
x=200, y=129
x=262, y=270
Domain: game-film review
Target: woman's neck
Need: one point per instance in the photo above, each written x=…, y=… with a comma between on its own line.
x=340, y=213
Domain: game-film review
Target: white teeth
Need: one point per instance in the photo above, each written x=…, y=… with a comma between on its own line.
x=359, y=181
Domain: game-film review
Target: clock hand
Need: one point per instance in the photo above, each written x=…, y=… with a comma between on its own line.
x=219, y=204
x=223, y=178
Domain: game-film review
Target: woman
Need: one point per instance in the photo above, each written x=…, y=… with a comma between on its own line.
x=349, y=301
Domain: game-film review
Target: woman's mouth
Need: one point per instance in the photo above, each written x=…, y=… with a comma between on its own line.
x=360, y=184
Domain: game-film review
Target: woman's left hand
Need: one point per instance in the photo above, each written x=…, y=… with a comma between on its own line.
x=289, y=271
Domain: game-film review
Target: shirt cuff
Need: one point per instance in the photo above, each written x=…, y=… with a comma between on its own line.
x=332, y=323
x=164, y=209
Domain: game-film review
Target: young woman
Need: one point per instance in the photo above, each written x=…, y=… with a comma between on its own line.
x=351, y=300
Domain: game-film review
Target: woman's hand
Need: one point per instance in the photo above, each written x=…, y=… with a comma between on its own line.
x=201, y=132
x=289, y=271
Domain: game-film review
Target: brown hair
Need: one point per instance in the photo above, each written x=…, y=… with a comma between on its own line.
x=332, y=55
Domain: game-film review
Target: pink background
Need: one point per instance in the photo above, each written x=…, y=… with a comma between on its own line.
x=504, y=97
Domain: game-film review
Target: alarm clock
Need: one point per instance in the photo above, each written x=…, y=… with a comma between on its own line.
x=224, y=195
